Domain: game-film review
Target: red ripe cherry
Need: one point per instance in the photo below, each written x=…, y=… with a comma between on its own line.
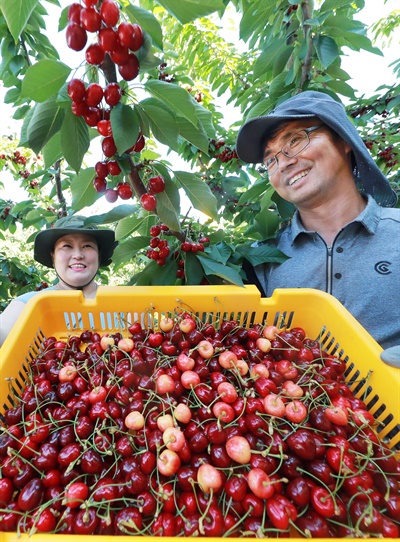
x=120, y=54
x=111, y=195
x=148, y=202
x=112, y=94
x=156, y=185
x=125, y=191
x=90, y=19
x=139, y=145
x=109, y=13
x=92, y=116
x=100, y=185
x=94, y=54
x=90, y=3
x=113, y=167
x=186, y=246
x=76, y=90
x=130, y=69
x=130, y=35
x=101, y=169
x=108, y=39
x=76, y=37
x=79, y=108
x=94, y=94
x=155, y=230
x=104, y=128
x=108, y=146
x=74, y=13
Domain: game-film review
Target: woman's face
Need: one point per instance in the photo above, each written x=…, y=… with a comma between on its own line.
x=76, y=259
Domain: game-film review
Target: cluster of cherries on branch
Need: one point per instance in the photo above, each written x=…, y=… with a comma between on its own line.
x=119, y=40
x=194, y=429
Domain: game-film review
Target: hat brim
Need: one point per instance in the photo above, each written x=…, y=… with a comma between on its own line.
x=45, y=241
x=254, y=134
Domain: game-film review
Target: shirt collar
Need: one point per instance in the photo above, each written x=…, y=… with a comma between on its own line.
x=369, y=218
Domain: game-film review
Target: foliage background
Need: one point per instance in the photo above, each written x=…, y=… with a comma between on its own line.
x=193, y=82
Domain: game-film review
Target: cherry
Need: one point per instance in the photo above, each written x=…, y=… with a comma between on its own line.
x=125, y=191
x=130, y=69
x=76, y=36
x=76, y=90
x=108, y=146
x=90, y=19
x=156, y=185
x=130, y=35
x=109, y=12
x=94, y=94
x=112, y=94
x=95, y=54
x=148, y=202
x=108, y=39
x=74, y=13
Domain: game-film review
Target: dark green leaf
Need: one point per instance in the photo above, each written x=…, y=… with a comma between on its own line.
x=52, y=150
x=193, y=269
x=254, y=192
x=74, y=139
x=261, y=254
x=266, y=223
x=327, y=50
x=47, y=119
x=225, y=272
x=168, y=206
x=194, y=134
x=162, y=122
x=127, y=251
x=125, y=126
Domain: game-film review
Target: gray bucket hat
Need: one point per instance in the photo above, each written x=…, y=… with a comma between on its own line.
x=367, y=175
x=46, y=239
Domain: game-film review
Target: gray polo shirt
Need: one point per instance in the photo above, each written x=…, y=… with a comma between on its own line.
x=361, y=268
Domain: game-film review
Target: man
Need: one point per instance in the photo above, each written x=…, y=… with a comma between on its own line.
x=343, y=238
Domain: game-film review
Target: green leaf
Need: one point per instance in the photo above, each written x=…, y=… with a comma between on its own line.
x=265, y=61
x=327, y=50
x=125, y=126
x=127, y=251
x=117, y=213
x=148, y=22
x=198, y=192
x=266, y=223
x=254, y=192
x=225, y=272
x=44, y=79
x=23, y=138
x=260, y=109
x=127, y=225
x=16, y=14
x=220, y=252
x=358, y=41
x=189, y=10
x=168, y=206
x=75, y=139
x=47, y=119
x=193, y=134
x=193, y=269
x=261, y=254
x=176, y=98
x=205, y=117
x=162, y=122
x=83, y=193
x=341, y=88
x=52, y=150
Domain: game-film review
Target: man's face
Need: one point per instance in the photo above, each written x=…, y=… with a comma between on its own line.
x=314, y=175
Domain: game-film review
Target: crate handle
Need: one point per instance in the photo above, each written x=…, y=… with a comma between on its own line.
x=391, y=356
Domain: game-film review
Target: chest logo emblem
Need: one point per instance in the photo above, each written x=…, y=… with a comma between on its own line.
x=383, y=268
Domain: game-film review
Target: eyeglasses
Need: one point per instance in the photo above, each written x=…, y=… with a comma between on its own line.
x=292, y=147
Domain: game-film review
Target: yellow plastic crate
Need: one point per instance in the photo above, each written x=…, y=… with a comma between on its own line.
x=61, y=314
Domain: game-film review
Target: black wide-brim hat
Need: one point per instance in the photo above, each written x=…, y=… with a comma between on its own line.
x=257, y=131
x=46, y=239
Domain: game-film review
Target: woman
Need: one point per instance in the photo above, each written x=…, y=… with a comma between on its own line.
x=76, y=252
